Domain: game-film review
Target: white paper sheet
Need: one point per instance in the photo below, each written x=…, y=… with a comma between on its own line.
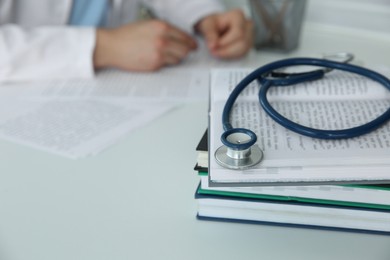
x=73, y=128
x=174, y=85
x=77, y=118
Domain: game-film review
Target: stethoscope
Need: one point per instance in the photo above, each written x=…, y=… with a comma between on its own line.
x=240, y=151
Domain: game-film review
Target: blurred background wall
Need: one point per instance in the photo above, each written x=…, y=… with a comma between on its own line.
x=371, y=15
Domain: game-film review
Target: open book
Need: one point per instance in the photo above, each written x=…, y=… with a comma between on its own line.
x=340, y=100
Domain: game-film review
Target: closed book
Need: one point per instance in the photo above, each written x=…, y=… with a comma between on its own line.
x=292, y=214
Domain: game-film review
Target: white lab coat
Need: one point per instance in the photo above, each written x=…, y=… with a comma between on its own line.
x=36, y=44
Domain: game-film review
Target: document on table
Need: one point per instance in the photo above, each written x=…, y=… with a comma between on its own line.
x=73, y=128
x=338, y=101
x=173, y=85
x=77, y=118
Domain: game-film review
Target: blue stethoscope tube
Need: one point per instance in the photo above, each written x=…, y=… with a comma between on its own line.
x=262, y=75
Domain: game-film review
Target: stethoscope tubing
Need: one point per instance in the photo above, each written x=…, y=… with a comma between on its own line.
x=261, y=73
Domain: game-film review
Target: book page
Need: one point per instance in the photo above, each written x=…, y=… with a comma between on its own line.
x=336, y=85
x=290, y=155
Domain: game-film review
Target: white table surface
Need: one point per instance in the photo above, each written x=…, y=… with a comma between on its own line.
x=136, y=199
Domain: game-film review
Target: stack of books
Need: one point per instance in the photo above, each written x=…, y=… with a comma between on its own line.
x=364, y=208
x=337, y=185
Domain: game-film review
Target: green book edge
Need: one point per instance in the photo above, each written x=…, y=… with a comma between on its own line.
x=299, y=199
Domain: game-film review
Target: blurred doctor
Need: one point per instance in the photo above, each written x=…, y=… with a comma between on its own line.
x=62, y=39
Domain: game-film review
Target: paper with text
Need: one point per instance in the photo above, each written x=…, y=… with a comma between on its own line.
x=340, y=100
x=173, y=85
x=73, y=128
x=77, y=118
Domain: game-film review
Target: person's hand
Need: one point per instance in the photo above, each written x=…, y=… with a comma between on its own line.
x=141, y=46
x=228, y=35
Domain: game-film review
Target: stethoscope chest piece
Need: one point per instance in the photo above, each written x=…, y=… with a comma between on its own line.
x=239, y=151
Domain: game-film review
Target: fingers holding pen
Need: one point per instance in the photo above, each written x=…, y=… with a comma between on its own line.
x=173, y=44
x=170, y=44
x=150, y=45
x=236, y=43
x=142, y=46
x=228, y=35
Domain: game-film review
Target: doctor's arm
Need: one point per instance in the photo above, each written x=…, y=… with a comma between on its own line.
x=45, y=53
x=66, y=52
